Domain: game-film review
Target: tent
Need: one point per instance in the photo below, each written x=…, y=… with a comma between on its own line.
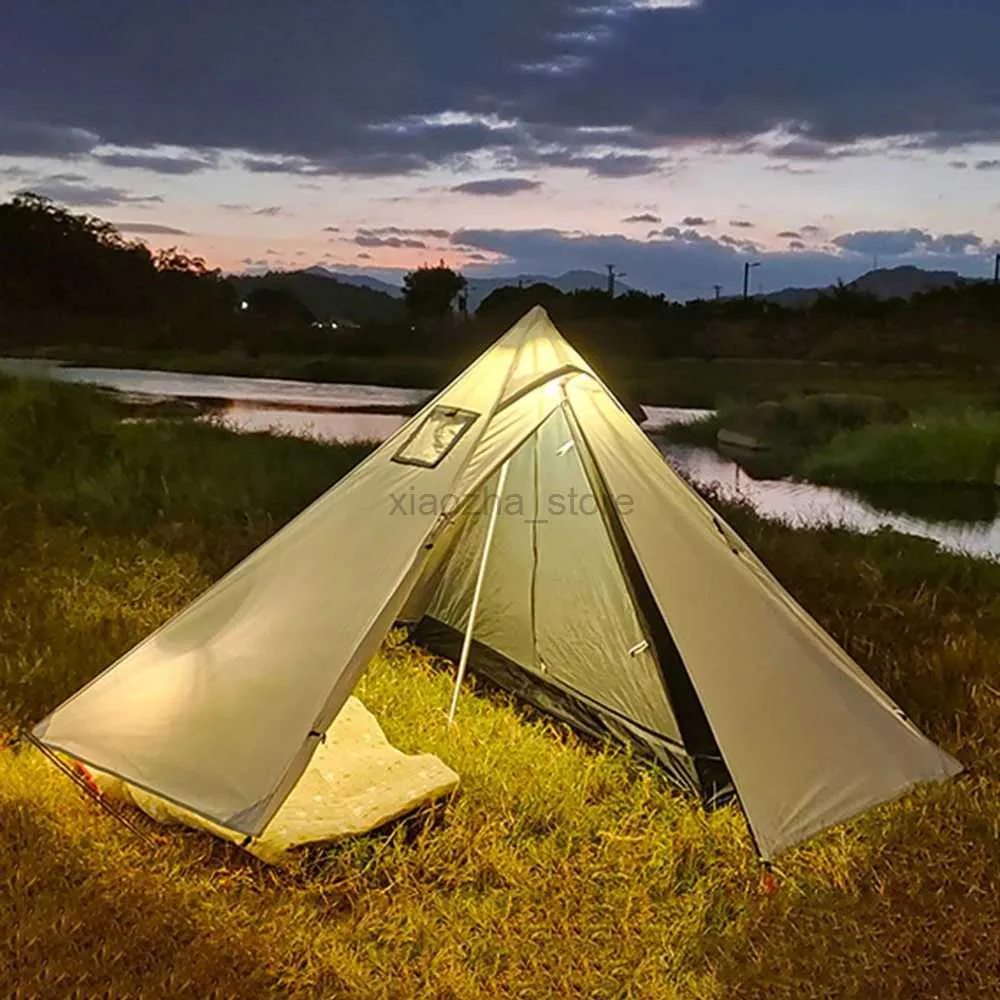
x=523, y=524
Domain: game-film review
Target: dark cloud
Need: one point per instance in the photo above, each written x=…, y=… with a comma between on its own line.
x=602, y=87
x=959, y=165
x=369, y=238
x=438, y=234
x=607, y=165
x=796, y=245
x=270, y=210
x=686, y=264
x=19, y=138
x=697, y=72
x=644, y=217
x=745, y=246
x=331, y=229
x=905, y=242
x=159, y=163
x=149, y=228
x=78, y=191
x=500, y=186
x=988, y=165
x=741, y=224
x=806, y=148
x=364, y=256
x=697, y=220
x=810, y=230
x=788, y=234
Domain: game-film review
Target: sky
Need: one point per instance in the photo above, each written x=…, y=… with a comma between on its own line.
x=675, y=139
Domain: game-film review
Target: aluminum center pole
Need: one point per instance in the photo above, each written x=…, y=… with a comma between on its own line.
x=467, y=642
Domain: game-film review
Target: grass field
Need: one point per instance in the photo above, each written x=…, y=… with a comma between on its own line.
x=560, y=870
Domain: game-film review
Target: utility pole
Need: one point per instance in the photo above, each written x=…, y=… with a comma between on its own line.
x=718, y=292
x=611, y=281
x=746, y=277
x=996, y=270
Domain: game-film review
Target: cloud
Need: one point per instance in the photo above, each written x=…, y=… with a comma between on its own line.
x=796, y=245
x=267, y=210
x=806, y=148
x=19, y=138
x=959, y=165
x=906, y=242
x=810, y=230
x=149, y=228
x=614, y=88
x=438, y=234
x=741, y=224
x=644, y=217
x=369, y=238
x=331, y=229
x=687, y=264
x=988, y=165
x=364, y=256
x=788, y=234
x=502, y=187
x=606, y=165
x=78, y=191
x=787, y=168
x=160, y=163
x=697, y=220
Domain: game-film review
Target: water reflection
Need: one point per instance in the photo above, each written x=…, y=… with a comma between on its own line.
x=961, y=519
x=321, y=425
x=804, y=505
x=222, y=387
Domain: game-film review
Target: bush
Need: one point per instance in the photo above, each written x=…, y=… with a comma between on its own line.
x=962, y=447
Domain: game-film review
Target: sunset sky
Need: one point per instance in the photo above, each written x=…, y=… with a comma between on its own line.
x=673, y=139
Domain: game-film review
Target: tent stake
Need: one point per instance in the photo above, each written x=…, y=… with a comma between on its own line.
x=467, y=642
x=85, y=786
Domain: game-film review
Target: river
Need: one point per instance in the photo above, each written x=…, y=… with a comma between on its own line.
x=967, y=522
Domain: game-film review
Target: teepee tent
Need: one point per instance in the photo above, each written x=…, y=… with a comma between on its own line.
x=524, y=525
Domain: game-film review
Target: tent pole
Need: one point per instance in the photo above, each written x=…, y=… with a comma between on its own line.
x=467, y=642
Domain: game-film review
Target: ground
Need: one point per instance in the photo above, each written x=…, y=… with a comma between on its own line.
x=560, y=869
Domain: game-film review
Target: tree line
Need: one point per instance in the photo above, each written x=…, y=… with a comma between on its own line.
x=74, y=278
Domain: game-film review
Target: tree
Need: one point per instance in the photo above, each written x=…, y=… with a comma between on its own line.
x=277, y=305
x=430, y=291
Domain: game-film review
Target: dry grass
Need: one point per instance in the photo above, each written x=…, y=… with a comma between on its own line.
x=559, y=870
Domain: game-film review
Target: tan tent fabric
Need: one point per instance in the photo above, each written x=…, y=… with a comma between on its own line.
x=649, y=621
x=809, y=739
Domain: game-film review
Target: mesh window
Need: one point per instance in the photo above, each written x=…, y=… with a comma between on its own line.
x=435, y=437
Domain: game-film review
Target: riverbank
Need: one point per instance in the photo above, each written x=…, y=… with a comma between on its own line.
x=856, y=441
x=662, y=382
x=600, y=877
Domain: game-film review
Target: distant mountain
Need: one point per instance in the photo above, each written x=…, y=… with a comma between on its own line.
x=884, y=283
x=357, y=279
x=327, y=297
x=479, y=288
